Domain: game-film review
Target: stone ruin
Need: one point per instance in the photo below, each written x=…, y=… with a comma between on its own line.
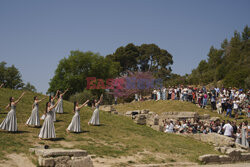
x=232, y=151
x=62, y=158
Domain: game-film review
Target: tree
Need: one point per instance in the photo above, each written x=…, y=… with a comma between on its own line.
x=10, y=76
x=147, y=57
x=73, y=71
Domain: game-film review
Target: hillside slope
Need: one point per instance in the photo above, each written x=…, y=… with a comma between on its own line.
x=117, y=136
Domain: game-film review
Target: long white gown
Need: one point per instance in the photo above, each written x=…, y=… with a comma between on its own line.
x=34, y=118
x=10, y=122
x=75, y=125
x=48, y=129
x=95, y=117
x=54, y=111
x=59, y=107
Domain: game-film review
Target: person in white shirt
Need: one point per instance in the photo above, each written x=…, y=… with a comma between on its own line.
x=170, y=127
x=228, y=129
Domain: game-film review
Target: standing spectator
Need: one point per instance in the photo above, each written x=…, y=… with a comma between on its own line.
x=115, y=100
x=136, y=97
x=204, y=104
x=213, y=102
x=229, y=108
x=244, y=134
x=228, y=129
x=163, y=93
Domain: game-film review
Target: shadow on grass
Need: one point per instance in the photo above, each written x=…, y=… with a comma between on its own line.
x=57, y=139
x=17, y=132
x=59, y=120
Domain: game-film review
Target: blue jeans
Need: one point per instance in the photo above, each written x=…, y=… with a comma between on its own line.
x=229, y=111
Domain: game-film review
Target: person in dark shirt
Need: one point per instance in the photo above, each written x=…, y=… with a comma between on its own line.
x=229, y=108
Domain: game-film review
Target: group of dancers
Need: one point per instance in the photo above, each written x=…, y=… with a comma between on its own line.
x=47, y=130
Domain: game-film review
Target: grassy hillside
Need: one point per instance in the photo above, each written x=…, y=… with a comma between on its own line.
x=164, y=106
x=117, y=136
x=176, y=105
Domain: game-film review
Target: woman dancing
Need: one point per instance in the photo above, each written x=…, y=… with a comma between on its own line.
x=10, y=122
x=34, y=117
x=52, y=101
x=59, y=107
x=95, y=117
x=75, y=125
x=48, y=129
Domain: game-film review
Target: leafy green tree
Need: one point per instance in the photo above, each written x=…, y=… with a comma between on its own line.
x=147, y=57
x=10, y=76
x=73, y=71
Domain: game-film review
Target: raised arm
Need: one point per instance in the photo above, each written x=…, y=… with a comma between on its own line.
x=55, y=104
x=7, y=107
x=17, y=101
x=55, y=95
x=83, y=104
x=38, y=101
x=1, y=85
x=65, y=91
x=100, y=99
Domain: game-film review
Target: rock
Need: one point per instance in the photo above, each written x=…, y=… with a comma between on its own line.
x=240, y=146
x=224, y=159
x=107, y=108
x=60, y=152
x=46, y=162
x=128, y=113
x=151, y=113
x=214, y=118
x=81, y=162
x=145, y=111
x=217, y=139
x=205, y=116
x=179, y=115
x=223, y=149
x=115, y=112
x=153, y=120
x=209, y=158
x=62, y=159
x=141, y=119
x=245, y=156
x=234, y=154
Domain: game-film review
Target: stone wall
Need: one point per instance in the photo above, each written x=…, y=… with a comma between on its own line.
x=62, y=158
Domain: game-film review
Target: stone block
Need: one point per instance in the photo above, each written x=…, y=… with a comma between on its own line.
x=46, y=162
x=81, y=162
x=245, y=156
x=60, y=152
x=209, y=158
x=224, y=159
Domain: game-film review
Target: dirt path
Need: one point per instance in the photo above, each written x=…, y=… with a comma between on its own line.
x=17, y=160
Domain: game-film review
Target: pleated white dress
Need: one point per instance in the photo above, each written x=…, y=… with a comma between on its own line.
x=48, y=129
x=54, y=111
x=10, y=122
x=34, y=118
x=75, y=125
x=95, y=117
x=59, y=107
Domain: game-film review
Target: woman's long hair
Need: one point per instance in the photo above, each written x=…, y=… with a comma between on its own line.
x=75, y=106
x=49, y=98
x=46, y=110
x=10, y=100
x=35, y=98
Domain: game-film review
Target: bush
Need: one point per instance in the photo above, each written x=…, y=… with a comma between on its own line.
x=88, y=95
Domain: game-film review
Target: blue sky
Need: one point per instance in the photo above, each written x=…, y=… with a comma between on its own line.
x=35, y=35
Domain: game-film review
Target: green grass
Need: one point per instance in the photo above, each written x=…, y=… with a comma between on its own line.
x=170, y=106
x=117, y=136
